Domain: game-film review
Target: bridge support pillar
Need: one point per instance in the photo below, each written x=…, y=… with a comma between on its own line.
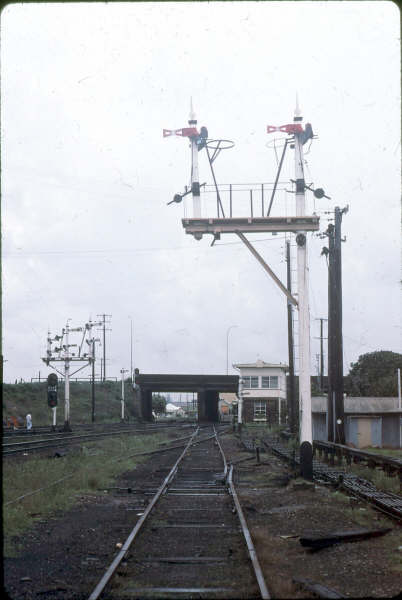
x=146, y=405
x=201, y=402
x=208, y=410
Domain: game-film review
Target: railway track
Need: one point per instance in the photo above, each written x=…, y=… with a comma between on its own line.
x=8, y=432
x=46, y=440
x=386, y=502
x=192, y=540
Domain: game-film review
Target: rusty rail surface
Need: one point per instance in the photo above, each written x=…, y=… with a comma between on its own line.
x=171, y=486
x=250, y=546
x=387, y=502
x=390, y=465
x=59, y=439
x=117, y=560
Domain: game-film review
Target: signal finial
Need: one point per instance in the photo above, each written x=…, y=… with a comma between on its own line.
x=298, y=113
x=192, y=117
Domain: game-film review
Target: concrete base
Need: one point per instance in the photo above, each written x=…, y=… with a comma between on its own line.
x=306, y=461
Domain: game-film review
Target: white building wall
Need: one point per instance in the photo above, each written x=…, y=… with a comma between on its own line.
x=261, y=392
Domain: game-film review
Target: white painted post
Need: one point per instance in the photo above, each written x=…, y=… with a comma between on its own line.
x=240, y=407
x=306, y=434
x=195, y=179
x=54, y=409
x=67, y=381
x=399, y=407
x=122, y=371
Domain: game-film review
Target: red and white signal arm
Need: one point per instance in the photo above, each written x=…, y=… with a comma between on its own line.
x=183, y=132
x=290, y=128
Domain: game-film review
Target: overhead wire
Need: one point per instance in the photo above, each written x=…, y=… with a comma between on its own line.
x=128, y=250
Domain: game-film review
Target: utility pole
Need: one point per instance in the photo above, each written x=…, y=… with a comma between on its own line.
x=321, y=355
x=293, y=404
x=322, y=362
x=93, y=382
x=338, y=337
x=67, y=382
x=122, y=371
x=104, y=329
x=306, y=433
x=91, y=342
x=227, y=346
x=335, y=409
x=131, y=350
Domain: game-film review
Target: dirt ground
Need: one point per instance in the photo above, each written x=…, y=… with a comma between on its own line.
x=65, y=556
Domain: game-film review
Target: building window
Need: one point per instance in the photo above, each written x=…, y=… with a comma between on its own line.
x=260, y=410
x=271, y=382
x=250, y=382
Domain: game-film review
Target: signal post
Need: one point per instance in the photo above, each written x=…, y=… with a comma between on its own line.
x=300, y=224
x=61, y=353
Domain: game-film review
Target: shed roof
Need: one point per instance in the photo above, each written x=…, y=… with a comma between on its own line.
x=358, y=405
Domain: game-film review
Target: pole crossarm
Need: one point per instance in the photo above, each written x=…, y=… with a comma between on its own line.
x=267, y=268
x=80, y=369
x=251, y=224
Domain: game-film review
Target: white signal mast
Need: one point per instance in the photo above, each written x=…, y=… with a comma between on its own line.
x=197, y=141
x=195, y=178
x=306, y=432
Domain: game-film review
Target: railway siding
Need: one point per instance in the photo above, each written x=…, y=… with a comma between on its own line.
x=69, y=552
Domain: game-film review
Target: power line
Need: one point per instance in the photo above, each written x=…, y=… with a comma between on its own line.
x=128, y=250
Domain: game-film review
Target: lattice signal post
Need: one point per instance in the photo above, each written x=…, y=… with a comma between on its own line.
x=61, y=353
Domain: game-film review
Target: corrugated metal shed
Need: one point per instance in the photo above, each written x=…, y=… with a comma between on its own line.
x=358, y=405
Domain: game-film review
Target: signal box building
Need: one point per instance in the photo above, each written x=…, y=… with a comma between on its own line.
x=264, y=392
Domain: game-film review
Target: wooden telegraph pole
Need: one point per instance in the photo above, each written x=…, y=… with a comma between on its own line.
x=335, y=410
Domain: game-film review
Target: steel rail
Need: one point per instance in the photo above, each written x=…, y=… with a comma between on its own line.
x=388, y=503
x=250, y=546
x=33, y=445
x=160, y=450
x=117, y=560
x=46, y=429
x=225, y=464
x=123, y=457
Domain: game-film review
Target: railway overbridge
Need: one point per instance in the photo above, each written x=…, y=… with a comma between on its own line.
x=207, y=388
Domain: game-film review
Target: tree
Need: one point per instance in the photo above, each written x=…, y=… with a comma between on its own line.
x=375, y=374
x=158, y=404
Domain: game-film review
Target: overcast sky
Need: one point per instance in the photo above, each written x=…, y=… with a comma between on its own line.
x=86, y=175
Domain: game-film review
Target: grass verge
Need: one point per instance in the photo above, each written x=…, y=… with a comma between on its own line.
x=91, y=467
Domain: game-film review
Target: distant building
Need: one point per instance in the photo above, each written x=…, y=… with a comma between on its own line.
x=228, y=403
x=171, y=409
x=369, y=421
x=264, y=392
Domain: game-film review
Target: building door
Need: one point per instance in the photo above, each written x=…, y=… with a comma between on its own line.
x=369, y=432
x=364, y=432
x=376, y=428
